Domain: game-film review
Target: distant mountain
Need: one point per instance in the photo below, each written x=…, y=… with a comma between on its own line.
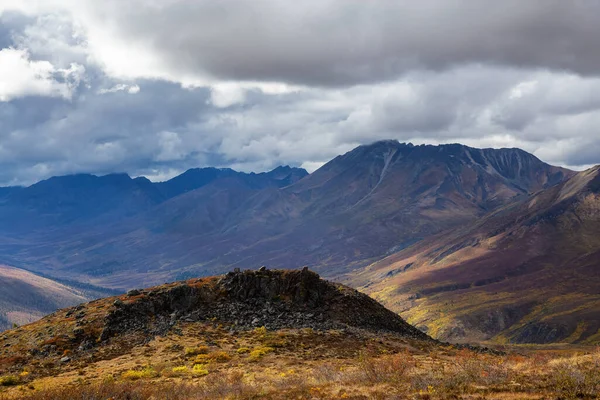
x=373, y=201
x=529, y=272
x=82, y=199
x=26, y=297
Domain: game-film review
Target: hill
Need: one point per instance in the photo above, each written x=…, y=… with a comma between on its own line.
x=263, y=334
x=26, y=297
x=527, y=273
x=356, y=209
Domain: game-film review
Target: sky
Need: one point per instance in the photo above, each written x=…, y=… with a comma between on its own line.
x=154, y=87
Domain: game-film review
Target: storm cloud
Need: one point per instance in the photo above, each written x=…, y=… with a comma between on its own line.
x=152, y=87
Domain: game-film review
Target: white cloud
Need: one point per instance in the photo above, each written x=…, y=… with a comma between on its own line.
x=20, y=76
x=227, y=94
x=171, y=147
x=121, y=87
x=312, y=166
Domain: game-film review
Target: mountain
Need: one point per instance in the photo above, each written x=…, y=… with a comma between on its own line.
x=78, y=200
x=527, y=273
x=26, y=297
x=356, y=209
x=379, y=198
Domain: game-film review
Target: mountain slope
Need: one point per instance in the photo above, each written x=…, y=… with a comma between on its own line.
x=529, y=272
x=356, y=209
x=371, y=201
x=26, y=297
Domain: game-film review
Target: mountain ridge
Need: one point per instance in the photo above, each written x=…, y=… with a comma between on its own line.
x=362, y=207
x=352, y=210
x=532, y=265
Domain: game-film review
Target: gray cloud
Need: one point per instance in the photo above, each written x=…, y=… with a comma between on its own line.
x=340, y=43
x=166, y=86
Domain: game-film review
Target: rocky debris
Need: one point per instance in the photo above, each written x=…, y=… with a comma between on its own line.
x=133, y=292
x=78, y=332
x=272, y=298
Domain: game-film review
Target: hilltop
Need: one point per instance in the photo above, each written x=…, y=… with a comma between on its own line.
x=262, y=334
x=239, y=300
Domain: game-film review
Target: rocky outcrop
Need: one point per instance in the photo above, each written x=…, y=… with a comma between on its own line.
x=274, y=299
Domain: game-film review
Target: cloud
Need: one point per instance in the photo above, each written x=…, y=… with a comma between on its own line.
x=227, y=94
x=131, y=89
x=332, y=43
x=20, y=76
x=154, y=87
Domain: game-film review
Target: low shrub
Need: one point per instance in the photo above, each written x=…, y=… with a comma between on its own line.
x=133, y=375
x=259, y=353
x=215, y=356
x=9, y=380
x=200, y=370
x=194, y=351
x=181, y=370
x=389, y=369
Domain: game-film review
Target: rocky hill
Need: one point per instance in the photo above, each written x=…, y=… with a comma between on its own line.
x=242, y=300
x=265, y=335
x=240, y=303
x=528, y=273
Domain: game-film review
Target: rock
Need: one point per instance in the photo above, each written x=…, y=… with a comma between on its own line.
x=248, y=299
x=262, y=269
x=65, y=359
x=133, y=292
x=86, y=345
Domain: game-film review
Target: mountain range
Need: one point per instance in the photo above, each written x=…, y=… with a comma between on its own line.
x=424, y=229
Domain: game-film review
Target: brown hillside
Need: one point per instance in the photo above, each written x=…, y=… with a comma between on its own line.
x=26, y=297
x=530, y=272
